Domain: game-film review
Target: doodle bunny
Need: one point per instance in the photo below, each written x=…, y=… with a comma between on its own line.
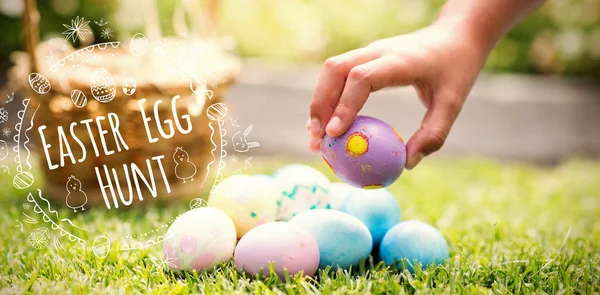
x=76, y=198
x=240, y=142
x=184, y=169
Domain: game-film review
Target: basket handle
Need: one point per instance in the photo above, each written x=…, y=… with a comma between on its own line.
x=31, y=23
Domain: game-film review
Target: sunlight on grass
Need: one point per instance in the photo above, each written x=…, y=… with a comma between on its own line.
x=511, y=229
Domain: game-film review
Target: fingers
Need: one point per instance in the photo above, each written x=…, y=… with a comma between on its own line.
x=434, y=130
x=391, y=70
x=330, y=85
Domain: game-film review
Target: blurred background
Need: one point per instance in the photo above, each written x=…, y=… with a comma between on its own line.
x=537, y=100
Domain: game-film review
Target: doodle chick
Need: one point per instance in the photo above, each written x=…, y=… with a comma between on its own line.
x=76, y=198
x=184, y=169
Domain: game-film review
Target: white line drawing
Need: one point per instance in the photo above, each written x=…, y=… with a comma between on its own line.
x=26, y=206
x=77, y=29
x=9, y=98
x=23, y=179
x=29, y=219
x=58, y=245
x=234, y=159
x=106, y=33
x=129, y=86
x=38, y=238
x=240, y=142
x=4, y=169
x=37, y=209
x=91, y=48
x=234, y=122
x=149, y=243
x=237, y=171
x=6, y=132
x=138, y=45
x=184, y=169
x=101, y=247
x=198, y=203
x=39, y=83
x=3, y=115
x=50, y=58
x=78, y=98
x=247, y=163
x=164, y=262
x=76, y=198
x=19, y=225
x=101, y=23
x=3, y=150
x=102, y=85
x=216, y=111
x=184, y=63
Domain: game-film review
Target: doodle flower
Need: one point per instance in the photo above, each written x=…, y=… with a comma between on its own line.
x=38, y=239
x=77, y=29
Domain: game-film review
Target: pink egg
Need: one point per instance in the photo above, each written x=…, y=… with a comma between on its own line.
x=369, y=155
x=287, y=246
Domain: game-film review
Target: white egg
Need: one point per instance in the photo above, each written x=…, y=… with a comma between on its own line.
x=102, y=85
x=129, y=86
x=39, y=83
x=249, y=201
x=199, y=240
x=302, y=188
x=138, y=44
x=78, y=98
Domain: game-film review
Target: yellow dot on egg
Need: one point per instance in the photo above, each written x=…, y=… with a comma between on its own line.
x=357, y=144
x=400, y=137
x=372, y=186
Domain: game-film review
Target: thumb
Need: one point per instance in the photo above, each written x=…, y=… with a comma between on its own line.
x=434, y=130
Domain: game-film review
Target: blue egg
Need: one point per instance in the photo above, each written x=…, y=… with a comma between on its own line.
x=413, y=242
x=343, y=239
x=378, y=209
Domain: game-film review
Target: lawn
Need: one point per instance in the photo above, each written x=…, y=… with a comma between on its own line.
x=512, y=228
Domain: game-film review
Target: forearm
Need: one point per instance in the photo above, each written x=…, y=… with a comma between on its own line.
x=485, y=22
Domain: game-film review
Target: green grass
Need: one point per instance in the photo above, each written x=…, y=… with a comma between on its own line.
x=511, y=229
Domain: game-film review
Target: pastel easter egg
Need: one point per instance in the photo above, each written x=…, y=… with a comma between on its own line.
x=288, y=247
x=302, y=188
x=23, y=180
x=78, y=98
x=129, y=86
x=199, y=239
x=249, y=201
x=370, y=154
x=378, y=209
x=216, y=111
x=39, y=83
x=138, y=45
x=413, y=243
x=338, y=192
x=102, y=85
x=342, y=238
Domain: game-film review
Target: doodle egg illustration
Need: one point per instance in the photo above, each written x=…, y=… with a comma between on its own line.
x=129, y=86
x=39, y=83
x=138, y=44
x=101, y=246
x=78, y=98
x=3, y=150
x=370, y=154
x=216, y=111
x=23, y=180
x=102, y=85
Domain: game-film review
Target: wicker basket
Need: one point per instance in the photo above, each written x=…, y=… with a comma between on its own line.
x=154, y=82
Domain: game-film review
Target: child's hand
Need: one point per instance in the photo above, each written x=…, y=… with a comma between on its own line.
x=441, y=62
x=437, y=62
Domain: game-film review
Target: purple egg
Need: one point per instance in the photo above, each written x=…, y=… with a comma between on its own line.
x=369, y=155
x=287, y=246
